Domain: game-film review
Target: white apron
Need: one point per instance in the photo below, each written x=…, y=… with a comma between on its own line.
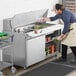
x=70, y=38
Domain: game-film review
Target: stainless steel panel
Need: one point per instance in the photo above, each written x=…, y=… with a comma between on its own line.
x=35, y=50
x=18, y=49
x=7, y=25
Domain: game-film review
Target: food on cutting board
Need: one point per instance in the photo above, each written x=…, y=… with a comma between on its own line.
x=40, y=25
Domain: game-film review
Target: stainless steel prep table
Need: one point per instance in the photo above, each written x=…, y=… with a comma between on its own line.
x=29, y=48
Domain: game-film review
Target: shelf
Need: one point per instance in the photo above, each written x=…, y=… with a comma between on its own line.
x=51, y=45
x=49, y=41
x=4, y=44
x=52, y=54
x=4, y=65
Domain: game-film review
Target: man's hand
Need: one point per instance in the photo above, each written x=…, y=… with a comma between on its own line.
x=43, y=19
x=60, y=37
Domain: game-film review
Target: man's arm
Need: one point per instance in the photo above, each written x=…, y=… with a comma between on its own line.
x=54, y=18
x=66, y=19
x=44, y=19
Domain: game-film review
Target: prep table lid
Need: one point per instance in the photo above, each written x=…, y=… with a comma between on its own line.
x=24, y=19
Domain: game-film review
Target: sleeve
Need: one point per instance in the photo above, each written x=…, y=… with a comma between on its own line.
x=66, y=19
x=55, y=17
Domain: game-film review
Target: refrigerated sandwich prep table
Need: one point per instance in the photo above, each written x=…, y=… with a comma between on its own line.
x=29, y=45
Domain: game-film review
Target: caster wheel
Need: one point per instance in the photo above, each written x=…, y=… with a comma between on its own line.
x=13, y=70
x=56, y=55
x=24, y=68
x=1, y=74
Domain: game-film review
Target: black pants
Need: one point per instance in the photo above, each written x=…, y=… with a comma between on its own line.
x=64, y=51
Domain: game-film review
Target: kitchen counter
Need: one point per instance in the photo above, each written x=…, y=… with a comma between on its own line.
x=47, y=30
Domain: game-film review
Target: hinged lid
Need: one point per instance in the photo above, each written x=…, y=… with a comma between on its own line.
x=24, y=19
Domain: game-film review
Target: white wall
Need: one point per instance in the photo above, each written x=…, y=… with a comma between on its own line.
x=9, y=8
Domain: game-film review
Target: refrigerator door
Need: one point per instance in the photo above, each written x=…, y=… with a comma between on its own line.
x=35, y=50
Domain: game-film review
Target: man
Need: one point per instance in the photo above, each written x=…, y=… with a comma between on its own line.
x=69, y=20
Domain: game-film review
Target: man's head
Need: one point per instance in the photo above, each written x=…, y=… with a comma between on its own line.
x=59, y=8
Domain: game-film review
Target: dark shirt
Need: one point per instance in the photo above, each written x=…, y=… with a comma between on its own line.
x=67, y=17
